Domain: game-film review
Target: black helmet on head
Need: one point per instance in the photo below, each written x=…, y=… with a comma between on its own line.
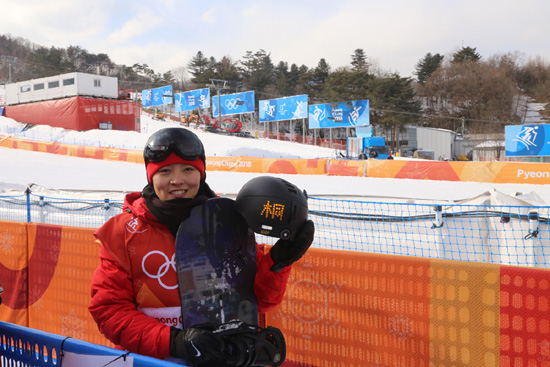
x=180, y=141
x=272, y=206
x=173, y=145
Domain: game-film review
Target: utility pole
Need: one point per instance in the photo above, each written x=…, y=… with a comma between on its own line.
x=218, y=84
x=10, y=60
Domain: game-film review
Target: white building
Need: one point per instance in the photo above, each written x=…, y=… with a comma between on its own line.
x=61, y=86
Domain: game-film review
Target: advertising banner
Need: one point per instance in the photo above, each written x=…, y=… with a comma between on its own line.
x=527, y=140
x=190, y=100
x=288, y=108
x=157, y=96
x=233, y=104
x=342, y=114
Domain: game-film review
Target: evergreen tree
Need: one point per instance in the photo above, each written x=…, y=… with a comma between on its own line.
x=359, y=61
x=226, y=69
x=282, y=83
x=427, y=65
x=343, y=85
x=258, y=70
x=393, y=104
x=313, y=82
x=466, y=54
x=168, y=78
x=197, y=65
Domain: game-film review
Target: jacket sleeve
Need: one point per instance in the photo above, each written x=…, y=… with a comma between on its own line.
x=269, y=286
x=114, y=310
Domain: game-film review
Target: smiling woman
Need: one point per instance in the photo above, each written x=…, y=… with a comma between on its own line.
x=176, y=180
x=135, y=294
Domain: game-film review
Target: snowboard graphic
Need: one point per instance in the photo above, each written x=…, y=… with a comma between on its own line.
x=216, y=265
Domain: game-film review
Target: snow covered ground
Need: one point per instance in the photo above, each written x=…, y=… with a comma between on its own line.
x=19, y=168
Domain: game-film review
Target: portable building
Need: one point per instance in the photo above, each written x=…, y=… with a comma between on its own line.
x=62, y=86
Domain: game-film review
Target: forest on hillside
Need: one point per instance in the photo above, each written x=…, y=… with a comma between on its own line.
x=481, y=94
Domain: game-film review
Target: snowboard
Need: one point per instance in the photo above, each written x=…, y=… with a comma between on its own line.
x=216, y=265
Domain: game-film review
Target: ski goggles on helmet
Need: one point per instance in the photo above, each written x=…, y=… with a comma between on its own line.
x=180, y=141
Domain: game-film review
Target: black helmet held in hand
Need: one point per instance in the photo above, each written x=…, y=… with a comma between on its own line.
x=272, y=206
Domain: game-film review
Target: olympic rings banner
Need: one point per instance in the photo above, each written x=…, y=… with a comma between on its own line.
x=343, y=114
x=288, y=108
x=191, y=100
x=233, y=104
x=157, y=96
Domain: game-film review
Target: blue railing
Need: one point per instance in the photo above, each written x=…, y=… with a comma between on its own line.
x=21, y=346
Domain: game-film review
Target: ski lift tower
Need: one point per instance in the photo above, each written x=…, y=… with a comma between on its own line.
x=218, y=85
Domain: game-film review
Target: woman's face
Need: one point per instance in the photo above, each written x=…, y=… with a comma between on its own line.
x=177, y=181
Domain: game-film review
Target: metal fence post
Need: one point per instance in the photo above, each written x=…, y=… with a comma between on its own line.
x=41, y=205
x=106, y=207
x=533, y=236
x=28, y=193
x=438, y=225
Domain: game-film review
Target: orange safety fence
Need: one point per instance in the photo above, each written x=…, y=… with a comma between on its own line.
x=359, y=309
x=342, y=167
x=112, y=154
x=341, y=308
x=46, y=272
x=493, y=172
x=267, y=165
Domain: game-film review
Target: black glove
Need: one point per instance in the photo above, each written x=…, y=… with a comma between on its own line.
x=198, y=345
x=286, y=252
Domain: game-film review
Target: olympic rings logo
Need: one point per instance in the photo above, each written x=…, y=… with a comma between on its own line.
x=162, y=270
x=231, y=104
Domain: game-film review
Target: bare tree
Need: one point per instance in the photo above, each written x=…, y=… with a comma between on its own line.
x=480, y=92
x=181, y=77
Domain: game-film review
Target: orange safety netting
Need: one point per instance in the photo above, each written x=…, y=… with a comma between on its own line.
x=341, y=308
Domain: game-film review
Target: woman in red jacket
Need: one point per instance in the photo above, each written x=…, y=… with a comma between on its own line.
x=135, y=297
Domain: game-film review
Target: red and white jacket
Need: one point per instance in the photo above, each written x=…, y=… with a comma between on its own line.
x=135, y=296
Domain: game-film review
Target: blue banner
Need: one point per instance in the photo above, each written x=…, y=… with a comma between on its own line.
x=233, y=104
x=288, y=108
x=342, y=114
x=156, y=97
x=193, y=99
x=527, y=140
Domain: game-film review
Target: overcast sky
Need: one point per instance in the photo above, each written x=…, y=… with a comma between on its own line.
x=395, y=35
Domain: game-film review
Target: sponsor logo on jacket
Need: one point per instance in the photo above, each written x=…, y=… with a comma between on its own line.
x=133, y=225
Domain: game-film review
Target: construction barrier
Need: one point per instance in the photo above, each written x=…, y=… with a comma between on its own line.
x=341, y=308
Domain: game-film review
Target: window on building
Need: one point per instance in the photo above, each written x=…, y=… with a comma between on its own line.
x=97, y=83
x=25, y=88
x=69, y=81
x=38, y=86
x=54, y=84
